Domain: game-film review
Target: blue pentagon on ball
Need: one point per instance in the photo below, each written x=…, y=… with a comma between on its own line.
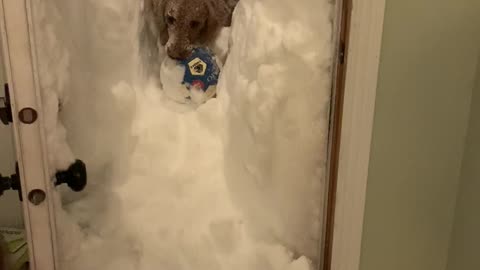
x=201, y=70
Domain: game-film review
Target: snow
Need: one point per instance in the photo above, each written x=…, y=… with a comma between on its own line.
x=54, y=80
x=236, y=183
x=171, y=74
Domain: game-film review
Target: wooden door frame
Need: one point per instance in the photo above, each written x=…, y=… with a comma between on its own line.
x=352, y=131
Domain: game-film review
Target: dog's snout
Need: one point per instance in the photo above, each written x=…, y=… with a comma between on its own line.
x=178, y=53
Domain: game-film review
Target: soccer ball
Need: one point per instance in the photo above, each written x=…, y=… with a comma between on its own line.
x=193, y=80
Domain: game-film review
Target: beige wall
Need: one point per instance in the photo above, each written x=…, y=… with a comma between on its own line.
x=465, y=242
x=10, y=208
x=427, y=70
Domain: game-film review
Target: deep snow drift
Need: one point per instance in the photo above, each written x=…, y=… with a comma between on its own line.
x=236, y=183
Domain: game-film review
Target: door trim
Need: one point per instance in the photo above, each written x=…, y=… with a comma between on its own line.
x=362, y=63
x=30, y=143
x=341, y=30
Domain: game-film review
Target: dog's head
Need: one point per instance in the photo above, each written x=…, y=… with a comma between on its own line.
x=184, y=24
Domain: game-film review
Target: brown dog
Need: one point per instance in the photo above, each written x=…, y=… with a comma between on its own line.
x=180, y=25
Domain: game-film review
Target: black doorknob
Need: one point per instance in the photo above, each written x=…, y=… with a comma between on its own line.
x=75, y=176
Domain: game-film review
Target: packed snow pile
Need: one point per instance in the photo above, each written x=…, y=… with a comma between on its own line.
x=277, y=86
x=236, y=183
x=54, y=80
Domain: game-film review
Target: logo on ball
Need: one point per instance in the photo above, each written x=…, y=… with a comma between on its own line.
x=197, y=67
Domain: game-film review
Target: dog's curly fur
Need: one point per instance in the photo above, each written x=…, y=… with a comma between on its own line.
x=180, y=25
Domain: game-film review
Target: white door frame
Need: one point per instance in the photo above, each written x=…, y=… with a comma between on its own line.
x=359, y=101
x=29, y=138
x=363, y=58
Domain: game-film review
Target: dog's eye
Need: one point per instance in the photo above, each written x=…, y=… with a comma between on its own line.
x=194, y=24
x=170, y=20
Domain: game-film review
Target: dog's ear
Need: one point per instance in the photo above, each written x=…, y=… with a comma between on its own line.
x=214, y=20
x=158, y=7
